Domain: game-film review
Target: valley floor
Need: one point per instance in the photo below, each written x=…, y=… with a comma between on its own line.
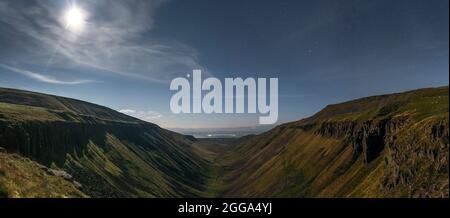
x=213, y=151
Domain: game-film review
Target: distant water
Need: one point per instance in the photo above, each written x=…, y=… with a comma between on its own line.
x=222, y=132
x=217, y=135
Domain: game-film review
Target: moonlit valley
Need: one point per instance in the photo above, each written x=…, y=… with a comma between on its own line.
x=242, y=103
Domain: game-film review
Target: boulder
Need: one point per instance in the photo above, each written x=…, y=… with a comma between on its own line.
x=60, y=173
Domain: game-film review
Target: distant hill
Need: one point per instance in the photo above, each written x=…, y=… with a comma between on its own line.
x=235, y=132
x=383, y=146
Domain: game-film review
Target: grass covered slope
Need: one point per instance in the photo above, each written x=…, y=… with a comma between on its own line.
x=22, y=178
x=383, y=146
x=109, y=153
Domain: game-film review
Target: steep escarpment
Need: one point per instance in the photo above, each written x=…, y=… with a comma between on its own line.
x=108, y=153
x=383, y=146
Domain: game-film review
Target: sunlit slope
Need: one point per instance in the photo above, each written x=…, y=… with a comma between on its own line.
x=383, y=146
x=109, y=153
x=22, y=178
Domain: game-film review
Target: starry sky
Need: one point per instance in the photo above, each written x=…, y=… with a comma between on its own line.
x=125, y=53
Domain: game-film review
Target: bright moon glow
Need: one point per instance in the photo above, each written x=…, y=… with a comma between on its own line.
x=75, y=19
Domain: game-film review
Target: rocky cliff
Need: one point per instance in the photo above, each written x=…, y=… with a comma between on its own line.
x=384, y=146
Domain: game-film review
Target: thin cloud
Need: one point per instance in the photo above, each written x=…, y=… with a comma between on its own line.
x=115, y=40
x=44, y=78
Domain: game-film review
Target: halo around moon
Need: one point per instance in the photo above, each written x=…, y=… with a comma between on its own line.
x=74, y=19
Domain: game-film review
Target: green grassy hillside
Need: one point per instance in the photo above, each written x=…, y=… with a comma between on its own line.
x=109, y=153
x=383, y=146
x=22, y=178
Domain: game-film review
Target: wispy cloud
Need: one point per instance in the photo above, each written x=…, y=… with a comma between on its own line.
x=44, y=78
x=143, y=115
x=117, y=39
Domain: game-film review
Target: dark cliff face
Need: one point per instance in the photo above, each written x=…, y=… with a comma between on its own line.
x=393, y=145
x=49, y=142
x=109, y=153
x=368, y=138
x=410, y=153
x=417, y=161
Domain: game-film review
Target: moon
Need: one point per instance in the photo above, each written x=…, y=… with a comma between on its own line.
x=75, y=18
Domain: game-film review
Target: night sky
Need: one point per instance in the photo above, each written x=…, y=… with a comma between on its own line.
x=125, y=53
